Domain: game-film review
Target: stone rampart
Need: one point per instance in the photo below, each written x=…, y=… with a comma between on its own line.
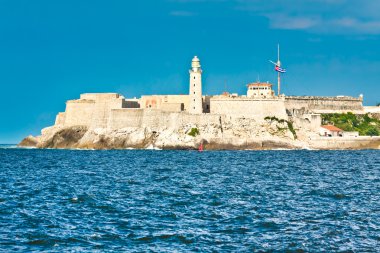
x=79, y=112
x=372, y=109
x=360, y=142
x=172, y=107
x=60, y=119
x=248, y=107
x=92, y=110
x=121, y=118
x=109, y=110
x=310, y=122
x=156, y=119
x=299, y=105
x=102, y=110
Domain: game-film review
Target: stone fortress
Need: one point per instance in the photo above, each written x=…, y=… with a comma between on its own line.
x=113, y=111
x=258, y=120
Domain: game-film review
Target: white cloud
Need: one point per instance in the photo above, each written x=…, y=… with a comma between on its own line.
x=351, y=17
x=286, y=22
x=319, y=16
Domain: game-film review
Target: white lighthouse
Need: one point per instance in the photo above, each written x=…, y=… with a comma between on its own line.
x=195, y=91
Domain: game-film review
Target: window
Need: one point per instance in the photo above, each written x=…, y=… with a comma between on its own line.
x=194, y=84
x=194, y=77
x=194, y=100
x=194, y=92
x=194, y=107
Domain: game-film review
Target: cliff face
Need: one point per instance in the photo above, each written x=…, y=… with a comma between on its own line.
x=233, y=134
x=239, y=134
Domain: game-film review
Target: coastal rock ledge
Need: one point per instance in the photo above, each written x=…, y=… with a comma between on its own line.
x=259, y=136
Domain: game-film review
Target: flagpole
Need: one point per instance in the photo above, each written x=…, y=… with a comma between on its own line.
x=278, y=73
x=279, y=83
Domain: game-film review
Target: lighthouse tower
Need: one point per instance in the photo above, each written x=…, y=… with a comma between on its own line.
x=195, y=91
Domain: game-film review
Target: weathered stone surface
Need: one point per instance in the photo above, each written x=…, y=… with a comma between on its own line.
x=29, y=141
x=246, y=136
x=61, y=137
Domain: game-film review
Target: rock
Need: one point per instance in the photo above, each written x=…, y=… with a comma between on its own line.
x=62, y=137
x=29, y=141
x=234, y=133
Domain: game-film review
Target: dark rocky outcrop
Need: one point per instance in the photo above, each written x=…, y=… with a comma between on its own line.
x=29, y=141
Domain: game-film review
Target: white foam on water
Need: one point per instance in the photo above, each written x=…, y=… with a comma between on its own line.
x=151, y=147
x=13, y=146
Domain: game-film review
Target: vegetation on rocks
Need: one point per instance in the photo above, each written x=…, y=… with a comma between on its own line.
x=364, y=124
x=289, y=123
x=194, y=132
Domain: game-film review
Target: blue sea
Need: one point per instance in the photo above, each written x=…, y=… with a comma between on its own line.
x=185, y=201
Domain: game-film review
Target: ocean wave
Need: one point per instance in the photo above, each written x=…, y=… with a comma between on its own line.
x=12, y=146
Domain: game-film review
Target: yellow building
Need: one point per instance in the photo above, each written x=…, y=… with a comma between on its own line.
x=260, y=90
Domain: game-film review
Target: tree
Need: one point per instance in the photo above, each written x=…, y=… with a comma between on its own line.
x=372, y=131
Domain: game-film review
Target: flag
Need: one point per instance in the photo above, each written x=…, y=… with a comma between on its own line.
x=278, y=69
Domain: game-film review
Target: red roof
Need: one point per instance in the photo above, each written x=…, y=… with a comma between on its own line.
x=332, y=128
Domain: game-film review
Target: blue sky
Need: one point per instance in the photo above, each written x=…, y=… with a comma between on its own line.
x=51, y=51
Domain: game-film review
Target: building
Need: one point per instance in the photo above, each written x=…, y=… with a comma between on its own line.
x=102, y=110
x=165, y=102
x=195, y=90
x=330, y=131
x=260, y=90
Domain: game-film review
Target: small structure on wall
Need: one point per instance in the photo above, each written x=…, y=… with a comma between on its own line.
x=260, y=90
x=330, y=131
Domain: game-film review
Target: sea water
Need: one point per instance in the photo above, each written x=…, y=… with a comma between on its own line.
x=180, y=201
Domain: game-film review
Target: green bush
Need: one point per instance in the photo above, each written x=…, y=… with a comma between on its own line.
x=363, y=124
x=289, y=123
x=291, y=129
x=193, y=132
x=372, y=131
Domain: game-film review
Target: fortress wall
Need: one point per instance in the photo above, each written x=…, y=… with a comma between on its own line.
x=120, y=118
x=172, y=107
x=102, y=109
x=308, y=121
x=79, y=112
x=200, y=119
x=372, y=109
x=92, y=110
x=158, y=101
x=360, y=142
x=153, y=118
x=96, y=96
x=60, y=119
x=249, y=108
x=156, y=119
x=299, y=105
x=178, y=99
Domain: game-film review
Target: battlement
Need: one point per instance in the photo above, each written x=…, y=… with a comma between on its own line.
x=337, y=98
x=95, y=96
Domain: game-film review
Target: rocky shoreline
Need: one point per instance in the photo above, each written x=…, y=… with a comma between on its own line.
x=81, y=137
